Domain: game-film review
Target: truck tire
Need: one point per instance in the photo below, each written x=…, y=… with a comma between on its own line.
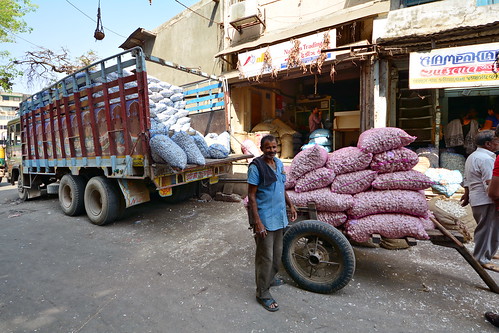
x=21, y=191
x=317, y=256
x=101, y=200
x=71, y=194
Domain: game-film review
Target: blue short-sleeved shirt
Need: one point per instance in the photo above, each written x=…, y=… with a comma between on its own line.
x=270, y=200
x=493, y=119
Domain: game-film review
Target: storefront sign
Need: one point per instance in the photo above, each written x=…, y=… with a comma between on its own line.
x=465, y=66
x=252, y=62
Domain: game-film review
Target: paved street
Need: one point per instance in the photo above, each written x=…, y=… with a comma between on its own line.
x=188, y=268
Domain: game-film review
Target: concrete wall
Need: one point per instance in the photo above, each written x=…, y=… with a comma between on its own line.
x=437, y=16
x=282, y=15
x=189, y=40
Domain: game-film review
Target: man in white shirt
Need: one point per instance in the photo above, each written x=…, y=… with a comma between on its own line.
x=477, y=176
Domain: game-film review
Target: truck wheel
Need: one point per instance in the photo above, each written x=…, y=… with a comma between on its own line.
x=101, y=201
x=71, y=193
x=21, y=191
x=318, y=257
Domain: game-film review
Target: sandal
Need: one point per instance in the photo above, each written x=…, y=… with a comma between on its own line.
x=491, y=267
x=267, y=303
x=277, y=282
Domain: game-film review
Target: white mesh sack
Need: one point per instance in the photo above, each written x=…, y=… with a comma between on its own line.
x=314, y=179
x=168, y=151
x=167, y=93
x=400, y=159
x=154, y=87
x=307, y=160
x=348, y=159
x=180, y=104
x=152, y=79
x=324, y=199
x=186, y=142
x=165, y=85
x=387, y=225
x=402, y=180
x=177, y=97
x=217, y=150
x=376, y=140
x=155, y=97
x=202, y=146
x=353, y=182
x=390, y=201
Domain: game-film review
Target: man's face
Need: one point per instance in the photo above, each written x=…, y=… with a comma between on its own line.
x=493, y=145
x=269, y=149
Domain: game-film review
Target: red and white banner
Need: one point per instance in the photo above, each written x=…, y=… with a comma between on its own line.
x=252, y=62
x=464, y=66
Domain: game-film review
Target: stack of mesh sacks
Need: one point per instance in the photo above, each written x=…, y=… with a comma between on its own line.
x=368, y=189
x=168, y=115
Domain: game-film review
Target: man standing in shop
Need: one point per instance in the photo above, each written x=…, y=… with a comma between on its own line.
x=315, y=120
x=477, y=177
x=267, y=207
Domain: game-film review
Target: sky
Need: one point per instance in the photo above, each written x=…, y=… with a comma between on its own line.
x=57, y=24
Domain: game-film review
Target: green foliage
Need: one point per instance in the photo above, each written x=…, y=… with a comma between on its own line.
x=11, y=22
x=11, y=13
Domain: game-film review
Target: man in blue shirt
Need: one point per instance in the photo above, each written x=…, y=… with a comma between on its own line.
x=267, y=206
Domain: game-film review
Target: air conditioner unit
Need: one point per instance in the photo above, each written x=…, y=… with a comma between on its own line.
x=245, y=14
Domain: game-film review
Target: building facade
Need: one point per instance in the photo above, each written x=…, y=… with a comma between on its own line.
x=9, y=104
x=351, y=59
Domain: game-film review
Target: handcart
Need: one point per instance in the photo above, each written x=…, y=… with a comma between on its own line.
x=320, y=258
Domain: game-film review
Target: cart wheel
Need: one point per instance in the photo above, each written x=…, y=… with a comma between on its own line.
x=101, y=200
x=318, y=257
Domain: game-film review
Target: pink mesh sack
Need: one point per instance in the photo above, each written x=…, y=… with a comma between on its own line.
x=353, y=182
x=290, y=182
x=315, y=179
x=307, y=160
x=376, y=140
x=249, y=147
x=402, y=180
x=400, y=159
x=391, y=201
x=324, y=199
x=334, y=218
x=348, y=159
x=387, y=225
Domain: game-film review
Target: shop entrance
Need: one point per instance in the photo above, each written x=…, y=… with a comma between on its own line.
x=292, y=100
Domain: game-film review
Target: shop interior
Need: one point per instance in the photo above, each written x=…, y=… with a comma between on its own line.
x=291, y=100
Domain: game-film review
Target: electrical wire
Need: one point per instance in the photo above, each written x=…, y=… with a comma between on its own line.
x=93, y=19
x=24, y=39
x=196, y=13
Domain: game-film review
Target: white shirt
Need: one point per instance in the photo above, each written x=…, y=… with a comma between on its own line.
x=478, y=170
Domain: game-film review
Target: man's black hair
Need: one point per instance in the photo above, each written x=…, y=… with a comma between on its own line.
x=269, y=138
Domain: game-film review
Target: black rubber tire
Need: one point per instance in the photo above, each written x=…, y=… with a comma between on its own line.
x=317, y=256
x=71, y=194
x=21, y=191
x=182, y=193
x=101, y=200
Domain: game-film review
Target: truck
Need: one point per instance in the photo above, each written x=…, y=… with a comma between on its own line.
x=86, y=138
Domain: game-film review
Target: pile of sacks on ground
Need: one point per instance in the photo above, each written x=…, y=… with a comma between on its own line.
x=288, y=140
x=368, y=189
x=446, y=169
x=173, y=140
